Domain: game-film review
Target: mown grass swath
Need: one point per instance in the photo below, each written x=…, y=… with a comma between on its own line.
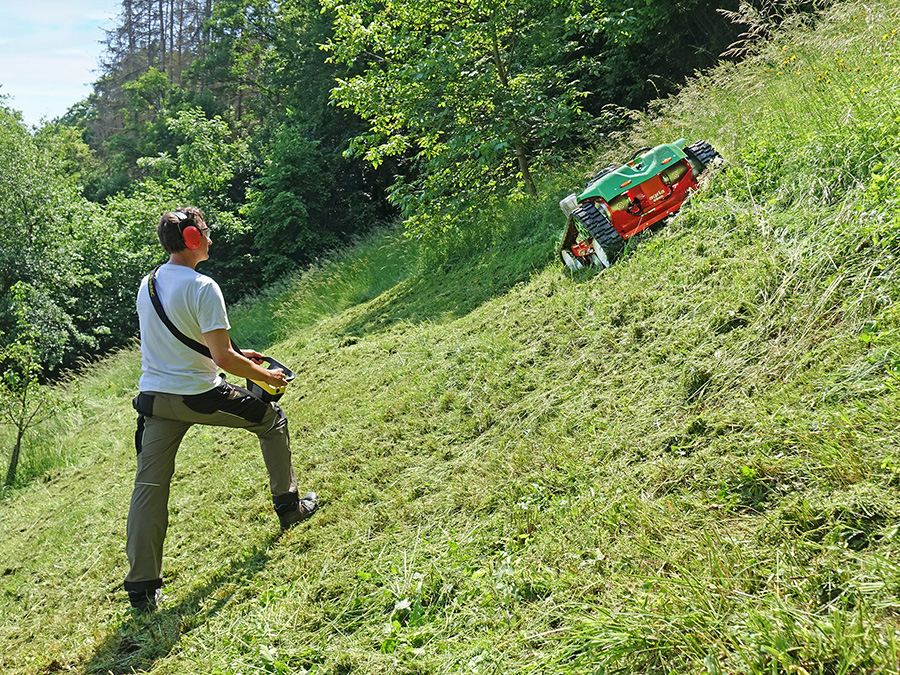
x=686, y=463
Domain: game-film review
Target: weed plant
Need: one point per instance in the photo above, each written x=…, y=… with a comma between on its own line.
x=687, y=463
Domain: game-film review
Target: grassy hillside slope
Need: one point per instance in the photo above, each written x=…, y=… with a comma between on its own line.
x=688, y=463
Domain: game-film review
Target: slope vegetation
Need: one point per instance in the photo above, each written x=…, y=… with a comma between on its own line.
x=686, y=463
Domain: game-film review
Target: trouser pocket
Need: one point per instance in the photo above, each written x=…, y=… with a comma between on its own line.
x=143, y=403
x=229, y=399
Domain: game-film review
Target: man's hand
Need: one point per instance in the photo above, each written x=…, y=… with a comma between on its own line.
x=254, y=356
x=242, y=364
x=276, y=378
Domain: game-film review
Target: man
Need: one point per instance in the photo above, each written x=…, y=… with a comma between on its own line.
x=180, y=387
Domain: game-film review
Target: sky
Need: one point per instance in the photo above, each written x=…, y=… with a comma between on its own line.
x=50, y=51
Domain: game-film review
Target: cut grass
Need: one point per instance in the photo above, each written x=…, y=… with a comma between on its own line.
x=686, y=463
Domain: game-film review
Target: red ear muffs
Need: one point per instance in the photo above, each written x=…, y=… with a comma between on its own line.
x=189, y=233
x=192, y=237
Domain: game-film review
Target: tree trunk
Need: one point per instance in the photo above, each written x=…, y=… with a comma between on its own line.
x=518, y=141
x=171, y=41
x=129, y=27
x=522, y=156
x=180, y=47
x=14, y=459
x=162, y=37
x=207, y=14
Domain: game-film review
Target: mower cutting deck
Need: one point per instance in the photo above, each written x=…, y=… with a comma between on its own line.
x=620, y=202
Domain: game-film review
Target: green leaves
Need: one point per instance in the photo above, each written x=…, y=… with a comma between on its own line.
x=24, y=402
x=287, y=203
x=207, y=156
x=44, y=262
x=465, y=91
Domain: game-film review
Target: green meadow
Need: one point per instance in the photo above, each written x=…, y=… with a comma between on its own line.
x=686, y=463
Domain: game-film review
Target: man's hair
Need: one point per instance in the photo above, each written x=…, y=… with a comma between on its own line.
x=172, y=223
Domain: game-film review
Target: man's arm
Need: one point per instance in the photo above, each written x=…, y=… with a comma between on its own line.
x=236, y=363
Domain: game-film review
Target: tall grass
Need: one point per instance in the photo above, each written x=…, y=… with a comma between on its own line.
x=810, y=130
x=361, y=271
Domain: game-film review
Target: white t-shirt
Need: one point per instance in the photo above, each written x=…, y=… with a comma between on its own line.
x=194, y=303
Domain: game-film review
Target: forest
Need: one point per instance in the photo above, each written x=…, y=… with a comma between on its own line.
x=299, y=125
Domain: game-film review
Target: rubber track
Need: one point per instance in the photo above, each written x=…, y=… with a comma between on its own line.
x=703, y=152
x=598, y=224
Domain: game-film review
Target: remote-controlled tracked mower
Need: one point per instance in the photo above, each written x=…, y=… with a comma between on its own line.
x=620, y=202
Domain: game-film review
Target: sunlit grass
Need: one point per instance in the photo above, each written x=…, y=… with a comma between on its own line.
x=687, y=463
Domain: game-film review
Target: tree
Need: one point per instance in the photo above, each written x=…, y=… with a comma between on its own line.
x=151, y=102
x=74, y=264
x=167, y=36
x=24, y=402
x=474, y=93
x=303, y=194
x=287, y=203
x=40, y=210
x=209, y=156
x=631, y=52
x=237, y=65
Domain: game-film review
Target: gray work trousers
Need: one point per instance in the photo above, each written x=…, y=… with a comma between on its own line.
x=164, y=420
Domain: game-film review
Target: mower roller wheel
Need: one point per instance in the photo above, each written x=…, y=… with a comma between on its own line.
x=700, y=154
x=598, y=257
x=571, y=261
x=600, y=227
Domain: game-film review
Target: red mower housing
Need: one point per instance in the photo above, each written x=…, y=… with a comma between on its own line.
x=620, y=202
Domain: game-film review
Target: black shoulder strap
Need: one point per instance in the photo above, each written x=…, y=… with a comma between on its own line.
x=157, y=305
